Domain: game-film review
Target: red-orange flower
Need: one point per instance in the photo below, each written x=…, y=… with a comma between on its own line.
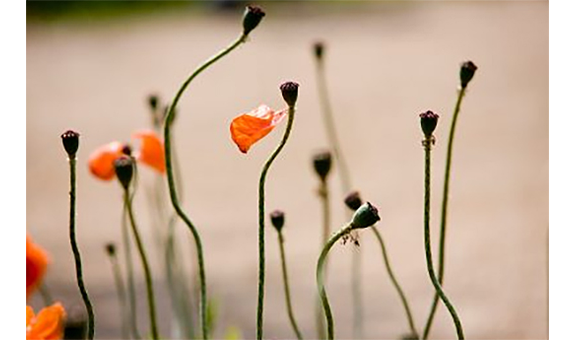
x=250, y=127
x=36, y=263
x=151, y=153
x=47, y=325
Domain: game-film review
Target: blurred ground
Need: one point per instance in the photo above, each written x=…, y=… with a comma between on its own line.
x=386, y=63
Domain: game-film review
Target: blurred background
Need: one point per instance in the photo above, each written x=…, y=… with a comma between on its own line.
x=92, y=65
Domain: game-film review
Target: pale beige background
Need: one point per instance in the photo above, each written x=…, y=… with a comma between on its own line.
x=387, y=62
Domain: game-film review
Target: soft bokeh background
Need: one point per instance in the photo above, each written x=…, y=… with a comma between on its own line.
x=91, y=68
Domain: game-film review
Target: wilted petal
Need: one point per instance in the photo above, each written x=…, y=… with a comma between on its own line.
x=47, y=325
x=248, y=128
x=101, y=161
x=151, y=151
x=36, y=263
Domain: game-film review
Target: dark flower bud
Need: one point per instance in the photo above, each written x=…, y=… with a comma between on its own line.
x=318, y=48
x=111, y=249
x=153, y=101
x=127, y=150
x=289, y=92
x=124, y=167
x=466, y=73
x=428, y=123
x=322, y=164
x=365, y=216
x=353, y=200
x=71, y=140
x=278, y=219
x=252, y=17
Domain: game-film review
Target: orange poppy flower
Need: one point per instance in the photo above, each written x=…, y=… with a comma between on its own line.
x=151, y=153
x=36, y=263
x=250, y=127
x=47, y=325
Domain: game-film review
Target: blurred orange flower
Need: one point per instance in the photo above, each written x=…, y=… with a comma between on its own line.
x=36, y=263
x=47, y=325
x=151, y=153
x=250, y=127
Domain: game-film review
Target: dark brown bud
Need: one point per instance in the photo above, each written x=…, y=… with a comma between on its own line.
x=353, y=200
x=466, y=73
x=322, y=164
x=71, y=141
x=127, y=150
x=252, y=17
x=111, y=249
x=153, y=101
x=124, y=167
x=428, y=122
x=278, y=219
x=318, y=48
x=289, y=92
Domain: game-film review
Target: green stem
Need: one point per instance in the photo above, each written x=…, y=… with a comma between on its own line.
x=286, y=287
x=442, y=231
x=427, y=145
x=395, y=282
x=121, y=291
x=133, y=311
x=76, y=250
x=261, y=222
x=171, y=180
x=324, y=195
x=320, y=277
x=145, y=266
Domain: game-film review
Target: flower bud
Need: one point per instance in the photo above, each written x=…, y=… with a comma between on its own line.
x=153, y=101
x=466, y=73
x=111, y=249
x=365, y=216
x=289, y=92
x=124, y=167
x=71, y=140
x=278, y=219
x=318, y=48
x=252, y=17
x=353, y=200
x=428, y=123
x=322, y=164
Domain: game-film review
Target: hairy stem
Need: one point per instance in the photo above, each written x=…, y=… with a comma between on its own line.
x=286, y=287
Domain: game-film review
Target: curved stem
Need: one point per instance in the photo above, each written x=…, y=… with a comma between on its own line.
x=443, y=227
x=286, y=287
x=171, y=180
x=76, y=250
x=324, y=195
x=427, y=145
x=121, y=291
x=261, y=223
x=145, y=266
x=320, y=277
x=395, y=282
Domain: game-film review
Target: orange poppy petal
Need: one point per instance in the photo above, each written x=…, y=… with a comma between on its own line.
x=101, y=161
x=36, y=263
x=48, y=324
x=248, y=128
x=151, y=150
x=29, y=315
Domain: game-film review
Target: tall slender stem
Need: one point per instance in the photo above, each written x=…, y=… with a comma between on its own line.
x=395, y=282
x=444, y=204
x=171, y=180
x=121, y=291
x=320, y=277
x=133, y=310
x=76, y=250
x=145, y=266
x=286, y=287
x=324, y=195
x=427, y=146
x=261, y=223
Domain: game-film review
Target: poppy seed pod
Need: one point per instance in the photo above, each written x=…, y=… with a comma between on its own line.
x=318, y=48
x=153, y=101
x=466, y=73
x=71, y=141
x=252, y=17
x=124, y=167
x=111, y=249
x=428, y=123
x=353, y=200
x=289, y=92
x=322, y=164
x=365, y=216
x=278, y=219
